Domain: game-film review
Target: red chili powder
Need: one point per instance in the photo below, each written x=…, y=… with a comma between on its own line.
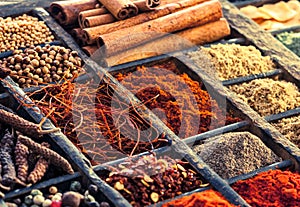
x=186, y=112
x=208, y=198
x=274, y=188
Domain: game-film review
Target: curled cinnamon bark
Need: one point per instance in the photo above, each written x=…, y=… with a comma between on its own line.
x=124, y=39
x=91, y=34
x=181, y=40
x=66, y=12
x=120, y=9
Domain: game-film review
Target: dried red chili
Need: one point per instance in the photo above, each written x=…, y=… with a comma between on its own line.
x=105, y=137
x=208, y=198
x=151, y=89
x=272, y=188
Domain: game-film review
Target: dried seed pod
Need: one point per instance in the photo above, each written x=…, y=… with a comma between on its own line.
x=21, y=155
x=8, y=167
x=40, y=168
x=48, y=154
x=22, y=125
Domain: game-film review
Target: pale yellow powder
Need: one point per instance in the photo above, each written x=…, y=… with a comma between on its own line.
x=268, y=96
x=232, y=60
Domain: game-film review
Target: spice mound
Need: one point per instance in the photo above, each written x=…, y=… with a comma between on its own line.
x=23, y=31
x=151, y=179
x=235, y=153
x=40, y=65
x=274, y=16
x=232, y=60
x=268, y=96
x=291, y=40
x=208, y=198
x=182, y=103
x=272, y=188
x=290, y=128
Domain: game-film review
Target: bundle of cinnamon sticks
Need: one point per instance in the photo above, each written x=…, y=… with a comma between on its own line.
x=126, y=30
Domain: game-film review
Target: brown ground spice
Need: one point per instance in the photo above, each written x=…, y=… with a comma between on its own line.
x=268, y=96
x=185, y=114
x=290, y=128
x=232, y=60
x=235, y=153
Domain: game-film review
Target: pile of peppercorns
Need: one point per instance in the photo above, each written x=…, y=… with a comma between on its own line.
x=39, y=65
x=75, y=197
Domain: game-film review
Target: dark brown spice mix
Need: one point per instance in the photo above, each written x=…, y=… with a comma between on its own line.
x=151, y=179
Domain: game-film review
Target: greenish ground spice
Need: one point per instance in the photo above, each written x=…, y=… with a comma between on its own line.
x=291, y=40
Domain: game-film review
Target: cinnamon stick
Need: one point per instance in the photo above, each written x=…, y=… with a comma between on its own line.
x=66, y=12
x=132, y=36
x=98, y=20
x=91, y=34
x=120, y=9
x=181, y=40
x=89, y=13
x=77, y=34
x=146, y=5
x=90, y=49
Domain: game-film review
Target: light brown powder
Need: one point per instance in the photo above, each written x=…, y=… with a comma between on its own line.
x=268, y=96
x=290, y=128
x=232, y=60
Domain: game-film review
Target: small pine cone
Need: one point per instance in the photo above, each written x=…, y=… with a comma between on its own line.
x=48, y=154
x=21, y=155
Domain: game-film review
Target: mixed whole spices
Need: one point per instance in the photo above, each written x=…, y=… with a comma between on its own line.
x=151, y=179
x=182, y=103
x=233, y=61
x=290, y=40
x=272, y=188
x=102, y=125
x=74, y=195
x=22, y=31
x=244, y=151
x=22, y=160
x=275, y=16
x=39, y=65
x=208, y=198
x=268, y=96
x=290, y=128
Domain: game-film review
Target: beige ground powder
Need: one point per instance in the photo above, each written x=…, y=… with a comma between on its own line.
x=268, y=96
x=232, y=60
x=290, y=128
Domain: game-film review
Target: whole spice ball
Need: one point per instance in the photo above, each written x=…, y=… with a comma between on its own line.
x=71, y=198
x=23, y=31
x=38, y=199
x=40, y=65
x=75, y=186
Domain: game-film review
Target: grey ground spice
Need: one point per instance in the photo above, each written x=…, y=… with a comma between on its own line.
x=232, y=60
x=235, y=153
x=290, y=128
x=268, y=96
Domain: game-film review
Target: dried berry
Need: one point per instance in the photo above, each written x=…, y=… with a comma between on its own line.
x=71, y=198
